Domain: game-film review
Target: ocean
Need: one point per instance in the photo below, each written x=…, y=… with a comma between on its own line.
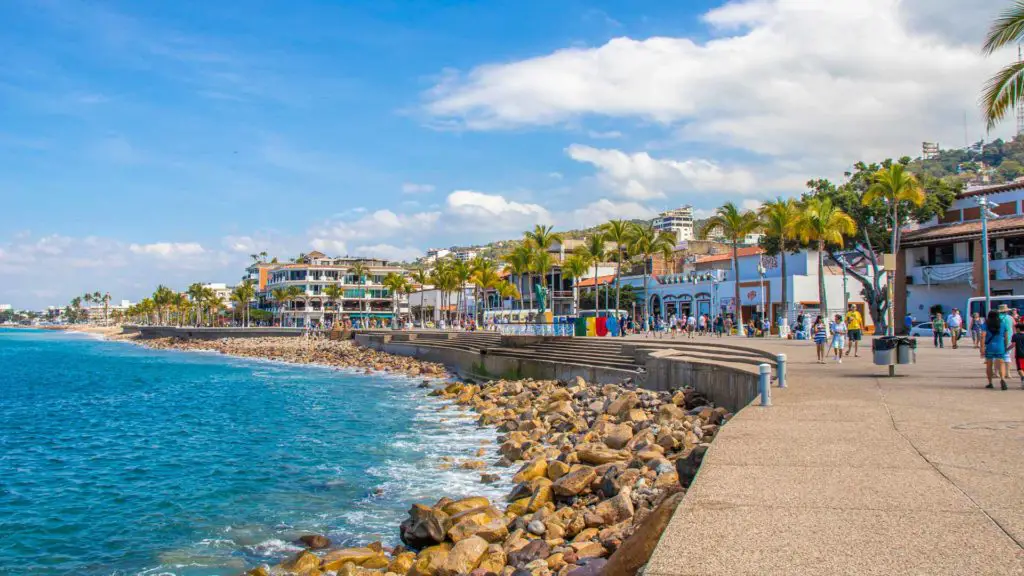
x=116, y=459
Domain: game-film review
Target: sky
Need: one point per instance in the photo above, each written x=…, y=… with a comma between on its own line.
x=146, y=143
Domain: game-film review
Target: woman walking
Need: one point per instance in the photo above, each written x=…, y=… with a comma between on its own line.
x=820, y=333
x=976, y=327
x=993, y=348
x=838, y=338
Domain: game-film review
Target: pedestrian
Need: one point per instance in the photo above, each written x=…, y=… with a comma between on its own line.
x=838, y=337
x=908, y=322
x=994, y=349
x=691, y=326
x=955, y=323
x=854, y=323
x=938, y=330
x=976, y=327
x=728, y=325
x=820, y=333
x=766, y=327
x=1018, y=352
x=719, y=325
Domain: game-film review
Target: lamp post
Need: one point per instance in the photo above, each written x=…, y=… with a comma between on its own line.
x=846, y=295
x=761, y=270
x=986, y=206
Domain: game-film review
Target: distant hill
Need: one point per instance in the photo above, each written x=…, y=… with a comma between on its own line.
x=996, y=162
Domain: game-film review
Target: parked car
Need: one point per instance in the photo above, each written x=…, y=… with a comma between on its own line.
x=924, y=330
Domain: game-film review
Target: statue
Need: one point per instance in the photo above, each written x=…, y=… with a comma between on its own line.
x=541, y=293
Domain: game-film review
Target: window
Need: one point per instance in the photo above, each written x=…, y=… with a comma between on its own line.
x=1014, y=247
x=939, y=255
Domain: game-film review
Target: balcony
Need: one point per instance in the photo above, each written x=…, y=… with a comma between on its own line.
x=957, y=273
x=1008, y=268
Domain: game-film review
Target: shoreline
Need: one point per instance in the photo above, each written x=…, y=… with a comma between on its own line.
x=597, y=470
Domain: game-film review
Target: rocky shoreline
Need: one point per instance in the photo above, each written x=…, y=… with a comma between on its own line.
x=598, y=472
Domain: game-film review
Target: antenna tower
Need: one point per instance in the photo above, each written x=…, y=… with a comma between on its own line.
x=1020, y=104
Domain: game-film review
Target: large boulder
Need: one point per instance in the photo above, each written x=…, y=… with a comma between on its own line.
x=453, y=508
x=575, y=482
x=493, y=560
x=687, y=467
x=599, y=454
x=314, y=541
x=535, y=549
x=621, y=405
x=401, y=563
x=533, y=469
x=303, y=562
x=425, y=526
x=634, y=553
x=594, y=567
x=470, y=522
x=366, y=557
x=429, y=560
x=618, y=435
x=612, y=510
x=463, y=557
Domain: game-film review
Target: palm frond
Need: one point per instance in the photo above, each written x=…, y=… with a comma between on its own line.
x=1001, y=92
x=1007, y=29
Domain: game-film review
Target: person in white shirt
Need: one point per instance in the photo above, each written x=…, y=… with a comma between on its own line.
x=955, y=324
x=691, y=325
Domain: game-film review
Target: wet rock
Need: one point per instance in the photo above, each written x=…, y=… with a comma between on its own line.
x=425, y=526
x=314, y=541
x=634, y=553
x=489, y=478
x=534, y=550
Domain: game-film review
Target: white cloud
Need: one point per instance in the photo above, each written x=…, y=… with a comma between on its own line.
x=831, y=82
x=412, y=188
x=604, y=210
x=241, y=244
x=639, y=176
x=494, y=211
x=168, y=249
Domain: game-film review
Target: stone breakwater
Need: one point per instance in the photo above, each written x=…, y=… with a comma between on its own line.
x=339, y=354
x=598, y=472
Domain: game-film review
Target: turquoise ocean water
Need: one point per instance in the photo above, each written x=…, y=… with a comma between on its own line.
x=117, y=460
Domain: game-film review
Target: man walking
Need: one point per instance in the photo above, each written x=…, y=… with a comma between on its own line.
x=854, y=325
x=955, y=324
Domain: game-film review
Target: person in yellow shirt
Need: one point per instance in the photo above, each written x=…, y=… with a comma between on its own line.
x=854, y=325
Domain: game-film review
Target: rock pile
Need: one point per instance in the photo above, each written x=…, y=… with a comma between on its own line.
x=599, y=472
x=337, y=353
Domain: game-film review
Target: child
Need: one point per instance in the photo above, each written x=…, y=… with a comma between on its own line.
x=820, y=334
x=838, y=338
x=1018, y=350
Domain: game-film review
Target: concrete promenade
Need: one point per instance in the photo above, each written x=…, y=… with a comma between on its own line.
x=852, y=472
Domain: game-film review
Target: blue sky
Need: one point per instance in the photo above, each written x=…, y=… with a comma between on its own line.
x=162, y=142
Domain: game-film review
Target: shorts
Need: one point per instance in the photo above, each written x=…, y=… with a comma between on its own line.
x=991, y=354
x=1020, y=363
x=855, y=335
x=838, y=342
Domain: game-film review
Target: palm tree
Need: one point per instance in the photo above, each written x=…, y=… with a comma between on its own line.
x=243, y=294
x=180, y=304
x=779, y=220
x=574, y=268
x=334, y=294
x=281, y=296
x=518, y=261
x=195, y=292
x=1004, y=90
x=734, y=225
x=645, y=242
x=359, y=270
x=893, y=185
x=540, y=263
x=395, y=283
x=824, y=223
x=618, y=231
x=484, y=277
x=162, y=298
x=542, y=238
x=421, y=277
x=106, y=307
x=462, y=271
x=594, y=252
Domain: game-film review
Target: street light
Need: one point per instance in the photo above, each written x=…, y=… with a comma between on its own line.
x=846, y=295
x=986, y=206
x=761, y=270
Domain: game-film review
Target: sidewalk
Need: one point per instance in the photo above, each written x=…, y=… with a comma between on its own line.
x=852, y=472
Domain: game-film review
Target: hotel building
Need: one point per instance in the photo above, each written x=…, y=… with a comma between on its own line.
x=364, y=297
x=678, y=222
x=940, y=262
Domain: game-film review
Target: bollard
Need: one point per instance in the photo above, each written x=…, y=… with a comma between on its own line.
x=780, y=363
x=765, y=384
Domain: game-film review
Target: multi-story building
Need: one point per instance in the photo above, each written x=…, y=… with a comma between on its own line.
x=465, y=254
x=940, y=264
x=99, y=313
x=435, y=254
x=363, y=297
x=678, y=221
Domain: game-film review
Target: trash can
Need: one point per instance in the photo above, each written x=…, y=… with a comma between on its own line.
x=906, y=350
x=884, y=349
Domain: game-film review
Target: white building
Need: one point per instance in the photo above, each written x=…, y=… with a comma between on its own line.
x=362, y=297
x=434, y=254
x=465, y=254
x=710, y=287
x=678, y=221
x=6, y=308
x=940, y=264
x=223, y=292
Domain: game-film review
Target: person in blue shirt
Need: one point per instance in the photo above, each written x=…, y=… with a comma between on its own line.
x=994, y=348
x=908, y=322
